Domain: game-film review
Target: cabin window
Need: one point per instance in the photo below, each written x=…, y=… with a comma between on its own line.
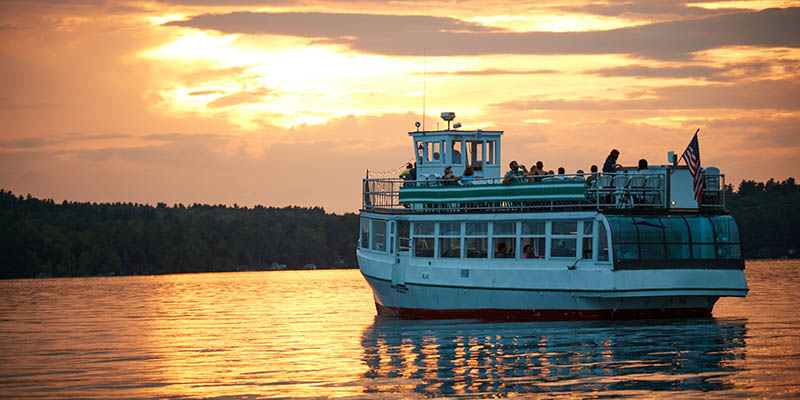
x=651, y=238
x=475, y=153
x=456, y=153
x=378, y=235
x=424, y=241
x=602, y=242
x=491, y=156
x=432, y=152
x=392, y=235
x=563, y=239
x=404, y=244
x=504, y=239
x=727, y=237
x=702, y=234
x=364, y=233
x=588, y=228
x=476, y=239
x=533, y=235
x=450, y=239
x=675, y=237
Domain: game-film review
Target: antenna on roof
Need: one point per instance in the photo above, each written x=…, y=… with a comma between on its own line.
x=424, y=82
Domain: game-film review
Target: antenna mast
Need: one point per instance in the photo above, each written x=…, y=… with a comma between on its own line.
x=424, y=82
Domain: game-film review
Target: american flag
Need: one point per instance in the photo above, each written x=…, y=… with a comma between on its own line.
x=692, y=157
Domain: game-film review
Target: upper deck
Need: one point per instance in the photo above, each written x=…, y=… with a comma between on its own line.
x=660, y=189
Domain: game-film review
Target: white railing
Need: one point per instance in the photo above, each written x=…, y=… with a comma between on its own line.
x=607, y=191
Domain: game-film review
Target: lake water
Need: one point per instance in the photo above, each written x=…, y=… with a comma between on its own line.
x=294, y=334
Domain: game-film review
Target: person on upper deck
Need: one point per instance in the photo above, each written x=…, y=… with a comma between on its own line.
x=642, y=166
x=514, y=173
x=406, y=171
x=536, y=172
x=469, y=175
x=610, y=166
x=593, y=177
x=449, y=178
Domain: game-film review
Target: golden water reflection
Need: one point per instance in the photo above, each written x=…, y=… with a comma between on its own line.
x=311, y=334
x=475, y=358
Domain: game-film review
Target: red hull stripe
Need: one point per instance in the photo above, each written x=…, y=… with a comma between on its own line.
x=542, y=315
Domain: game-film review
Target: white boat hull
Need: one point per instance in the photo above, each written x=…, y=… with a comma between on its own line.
x=497, y=292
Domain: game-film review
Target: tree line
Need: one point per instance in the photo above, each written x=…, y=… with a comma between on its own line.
x=41, y=237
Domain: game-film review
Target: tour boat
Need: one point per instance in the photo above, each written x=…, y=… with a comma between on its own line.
x=633, y=244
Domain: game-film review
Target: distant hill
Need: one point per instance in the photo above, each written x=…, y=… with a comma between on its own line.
x=43, y=238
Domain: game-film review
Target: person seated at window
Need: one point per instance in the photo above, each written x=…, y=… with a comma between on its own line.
x=527, y=251
x=456, y=154
x=501, y=251
x=610, y=165
x=515, y=173
x=469, y=176
x=561, y=173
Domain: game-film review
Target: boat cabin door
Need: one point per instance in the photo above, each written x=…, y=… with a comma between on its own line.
x=403, y=246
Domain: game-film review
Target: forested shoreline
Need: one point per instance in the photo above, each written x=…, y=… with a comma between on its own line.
x=44, y=238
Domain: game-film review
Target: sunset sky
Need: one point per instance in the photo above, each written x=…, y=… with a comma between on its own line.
x=288, y=102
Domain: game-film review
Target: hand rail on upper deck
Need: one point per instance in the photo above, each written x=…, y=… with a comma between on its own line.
x=547, y=192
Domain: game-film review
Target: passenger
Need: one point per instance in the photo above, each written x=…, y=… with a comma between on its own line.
x=610, y=166
x=514, y=173
x=642, y=165
x=448, y=178
x=456, y=154
x=551, y=173
x=561, y=171
x=527, y=251
x=412, y=173
x=536, y=172
x=404, y=174
x=469, y=175
x=593, y=176
x=580, y=174
x=501, y=251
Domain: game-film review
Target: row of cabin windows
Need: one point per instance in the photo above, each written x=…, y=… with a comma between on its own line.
x=496, y=240
x=675, y=237
x=459, y=152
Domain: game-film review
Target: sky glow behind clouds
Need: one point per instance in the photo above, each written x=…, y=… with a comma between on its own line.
x=288, y=102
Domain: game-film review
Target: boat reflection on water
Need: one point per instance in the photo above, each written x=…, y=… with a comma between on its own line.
x=464, y=357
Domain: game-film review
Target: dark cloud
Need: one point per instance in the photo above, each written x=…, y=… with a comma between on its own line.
x=348, y=27
x=642, y=71
x=767, y=94
x=725, y=73
x=408, y=35
x=618, y=8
